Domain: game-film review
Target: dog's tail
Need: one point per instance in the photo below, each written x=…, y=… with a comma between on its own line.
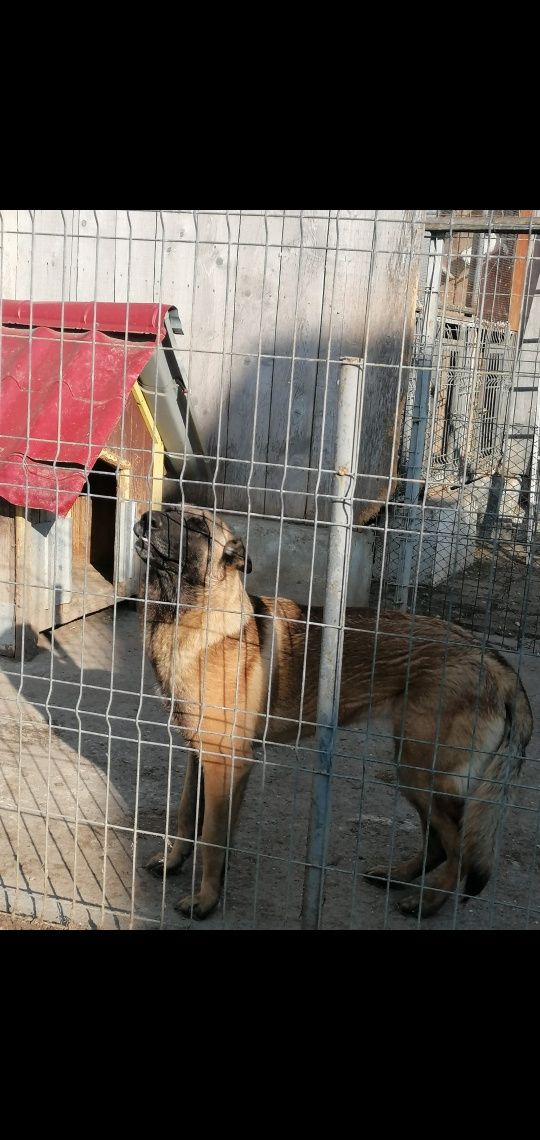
x=484, y=801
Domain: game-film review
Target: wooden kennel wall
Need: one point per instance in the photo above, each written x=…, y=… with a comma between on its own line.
x=54, y=570
x=81, y=458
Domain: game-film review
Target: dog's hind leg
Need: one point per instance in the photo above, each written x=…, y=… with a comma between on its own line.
x=430, y=783
x=444, y=880
x=460, y=796
x=224, y=786
x=172, y=861
x=411, y=780
x=399, y=874
x=434, y=793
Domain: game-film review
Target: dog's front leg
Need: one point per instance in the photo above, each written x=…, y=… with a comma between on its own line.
x=172, y=861
x=224, y=786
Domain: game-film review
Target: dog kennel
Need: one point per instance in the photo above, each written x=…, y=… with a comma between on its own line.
x=81, y=454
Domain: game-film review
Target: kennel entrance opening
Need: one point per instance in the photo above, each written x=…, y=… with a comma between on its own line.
x=94, y=530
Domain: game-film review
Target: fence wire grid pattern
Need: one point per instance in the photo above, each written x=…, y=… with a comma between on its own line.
x=418, y=496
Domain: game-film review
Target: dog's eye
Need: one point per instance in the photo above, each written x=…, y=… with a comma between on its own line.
x=198, y=524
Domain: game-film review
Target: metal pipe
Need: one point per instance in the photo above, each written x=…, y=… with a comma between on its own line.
x=506, y=225
x=487, y=525
x=532, y=517
x=420, y=418
x=349, y=411
x=481, y=253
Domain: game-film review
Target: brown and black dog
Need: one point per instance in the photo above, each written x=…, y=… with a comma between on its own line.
x=233, y=666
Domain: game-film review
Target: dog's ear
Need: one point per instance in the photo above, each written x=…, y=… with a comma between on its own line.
x=235, y=553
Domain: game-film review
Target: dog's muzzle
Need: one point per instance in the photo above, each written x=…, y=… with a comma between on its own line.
x=159, y=542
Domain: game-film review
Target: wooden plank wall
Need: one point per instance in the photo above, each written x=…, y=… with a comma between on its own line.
x=269, y=301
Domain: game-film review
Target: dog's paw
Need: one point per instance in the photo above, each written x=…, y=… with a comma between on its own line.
x=380, y=877
x=410, y=904
x=379, y=872
x=158, y=862
x=192, y=906
x=422, y=904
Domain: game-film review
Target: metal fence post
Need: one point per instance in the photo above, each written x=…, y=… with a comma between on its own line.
x=349, y=411
x=425, y=380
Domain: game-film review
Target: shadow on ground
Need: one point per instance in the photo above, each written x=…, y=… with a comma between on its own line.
x=89, y=766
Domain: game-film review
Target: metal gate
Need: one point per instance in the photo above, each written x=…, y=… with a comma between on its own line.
x=470, y=402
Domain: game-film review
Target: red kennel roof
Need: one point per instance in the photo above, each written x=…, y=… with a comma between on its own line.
x=64, y=382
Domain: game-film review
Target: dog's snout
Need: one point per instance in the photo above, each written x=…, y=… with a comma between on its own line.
x=147, y=524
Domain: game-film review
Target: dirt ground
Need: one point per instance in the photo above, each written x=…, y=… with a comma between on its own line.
x=19, y=922
x=499, y=595
x=90, y=774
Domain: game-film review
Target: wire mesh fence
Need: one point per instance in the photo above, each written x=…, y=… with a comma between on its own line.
x=203, y=413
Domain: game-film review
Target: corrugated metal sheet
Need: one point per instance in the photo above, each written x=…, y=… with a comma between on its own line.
x=63, y=392
x=104, y=316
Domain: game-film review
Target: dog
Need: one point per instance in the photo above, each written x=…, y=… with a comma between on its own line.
x=230, y=667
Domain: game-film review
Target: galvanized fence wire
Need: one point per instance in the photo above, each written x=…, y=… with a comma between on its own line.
x=260, y=810
x=138, y=717
x=287, y=757
x=197, y=849
x=365, y=743
x=306, y=899
x=485, y=633
x=469, y=420
x=441, y=688
x=395, y=445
